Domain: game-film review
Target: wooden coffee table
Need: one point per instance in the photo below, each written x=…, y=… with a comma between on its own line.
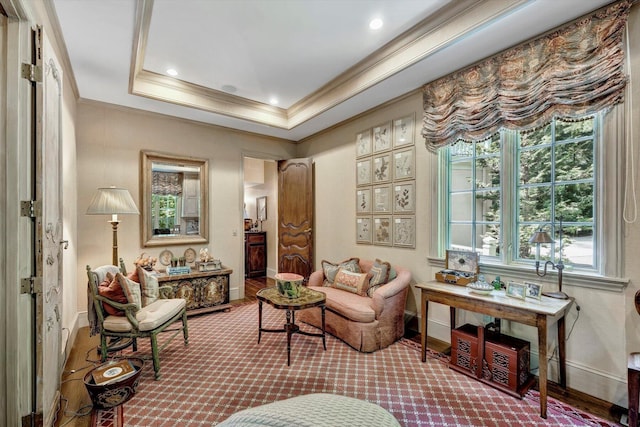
x=308, y=299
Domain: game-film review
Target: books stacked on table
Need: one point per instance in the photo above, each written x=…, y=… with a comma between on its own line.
x=178, y=270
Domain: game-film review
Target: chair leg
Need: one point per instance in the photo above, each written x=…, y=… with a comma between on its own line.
x=633, y=382
x=155, y=355
x=185, y=329
x=103, y=347
x=135, y=344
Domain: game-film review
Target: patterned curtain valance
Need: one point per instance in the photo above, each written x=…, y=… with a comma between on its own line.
x=166, y=183
x=570, y=72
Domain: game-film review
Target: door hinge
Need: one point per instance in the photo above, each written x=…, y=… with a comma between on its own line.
x=31, y=72
x=31, y=285
x=29, y=208
x=33, y=420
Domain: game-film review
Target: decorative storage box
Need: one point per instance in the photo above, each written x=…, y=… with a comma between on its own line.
x=462, y=268
x=495, y=359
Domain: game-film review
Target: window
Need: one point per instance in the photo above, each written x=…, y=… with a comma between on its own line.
x=500, y=190
x=164, y=213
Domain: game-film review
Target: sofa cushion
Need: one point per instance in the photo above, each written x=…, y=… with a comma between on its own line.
x=131, y=289
x=149, y=286
x=149, y=317
x=379, y=274
x=346, y=304
x=356, y=283
x=330, y=269
x=110, y=288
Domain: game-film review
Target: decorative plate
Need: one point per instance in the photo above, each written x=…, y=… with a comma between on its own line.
x=190, y=255
x=165, y=257
x=480, y=288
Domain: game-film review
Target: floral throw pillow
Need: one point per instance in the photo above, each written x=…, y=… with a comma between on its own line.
x=349, y=281
x=379, y=275
x=330, y=269
x=110, y=288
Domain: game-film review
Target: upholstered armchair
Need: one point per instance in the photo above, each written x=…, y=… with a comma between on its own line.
x=138, y=311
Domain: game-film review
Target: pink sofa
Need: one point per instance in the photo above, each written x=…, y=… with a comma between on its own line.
x=365, y=323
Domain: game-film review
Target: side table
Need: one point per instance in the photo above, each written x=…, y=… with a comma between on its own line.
x=308, y=299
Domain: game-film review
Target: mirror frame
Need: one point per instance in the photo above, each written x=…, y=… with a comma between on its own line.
x=147, y=238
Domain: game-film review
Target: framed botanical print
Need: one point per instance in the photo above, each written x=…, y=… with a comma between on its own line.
x=363, y=143
x=382, y=198
x=363, y=172
x=382, y=230
x=381, y=138
x=404, y=231
x=364, y=229
x=363, y=201
x=403, y=130
x=382, y=168
x=404, y=197
x=404, y=164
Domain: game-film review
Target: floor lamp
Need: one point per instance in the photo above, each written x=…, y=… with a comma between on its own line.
x=113, y=201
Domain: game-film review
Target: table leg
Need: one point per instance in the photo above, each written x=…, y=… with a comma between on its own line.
x=259, y=320
x=289, y=329
x=324, y=342
x=633, y=388
x=542, y=363
x=452, y=317
x=562, y=353
x=425, y=321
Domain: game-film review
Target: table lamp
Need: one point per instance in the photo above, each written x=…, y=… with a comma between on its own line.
x=539, y=237
x=112, y=201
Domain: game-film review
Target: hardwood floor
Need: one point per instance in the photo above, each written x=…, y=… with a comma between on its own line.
x=76, y=406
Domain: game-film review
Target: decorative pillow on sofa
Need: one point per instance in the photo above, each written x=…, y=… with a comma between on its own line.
x=331, y=270
x=110, y=288
x=349, y=281
x=379, y=273
x=131, y=289
x=149, y=287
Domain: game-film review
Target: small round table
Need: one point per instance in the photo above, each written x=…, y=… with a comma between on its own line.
x=308, y=299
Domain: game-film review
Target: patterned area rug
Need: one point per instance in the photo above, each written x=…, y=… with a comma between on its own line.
x=224, y=370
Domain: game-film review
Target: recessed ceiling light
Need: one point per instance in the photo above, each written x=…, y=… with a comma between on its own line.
x=273, y=101
x=375, y=24
x=172, y=72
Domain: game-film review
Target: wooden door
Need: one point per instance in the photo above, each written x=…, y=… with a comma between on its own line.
x=48, y=230
x=295, y=216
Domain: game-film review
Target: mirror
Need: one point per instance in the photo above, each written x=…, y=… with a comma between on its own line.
x=174, y=199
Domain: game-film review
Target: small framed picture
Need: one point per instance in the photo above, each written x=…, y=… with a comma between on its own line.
x=516, y=290
x=403, y=131
x=364, y=230
x=382, y=168
x=382, y=230
x=382, y=138
x=363, y=172
x=534, y=290
x=261, y=208
x=404, y=231
x=404, y=164
x=363, y=201
x=382, y=198
x=363, y=143
x=404, y=197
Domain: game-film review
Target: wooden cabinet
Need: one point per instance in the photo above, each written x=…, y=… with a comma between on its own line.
x=255, y=254
x=204, y=291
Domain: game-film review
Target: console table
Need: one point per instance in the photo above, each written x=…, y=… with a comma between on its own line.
x=204, y=291
x=529, y=312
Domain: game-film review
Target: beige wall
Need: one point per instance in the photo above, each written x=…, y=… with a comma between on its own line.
x=108, y=153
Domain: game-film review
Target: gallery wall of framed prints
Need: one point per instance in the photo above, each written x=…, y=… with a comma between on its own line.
x=386, y=184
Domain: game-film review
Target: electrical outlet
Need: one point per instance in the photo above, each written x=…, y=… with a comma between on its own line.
x=234, y=232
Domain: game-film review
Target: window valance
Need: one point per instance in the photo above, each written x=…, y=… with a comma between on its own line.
x=570, y=72
x=166, y=183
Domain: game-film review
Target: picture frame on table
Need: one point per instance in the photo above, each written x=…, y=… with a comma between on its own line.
x=403, y=130
x=516, y=290
x=382, y=198
x=363, y=143
x=364, y=230
x=381, y=138
x=381, y=168
x=363, y=201
x=363, y=172
x=404, y=162
x=404, y=197
x=382, y=230
x=534, y=290
x=404, y=231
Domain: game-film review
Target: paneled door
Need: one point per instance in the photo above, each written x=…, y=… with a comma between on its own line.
x=295, y=216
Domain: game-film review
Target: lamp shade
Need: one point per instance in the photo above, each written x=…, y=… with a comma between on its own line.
x=112, y=200
x=541, y=237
